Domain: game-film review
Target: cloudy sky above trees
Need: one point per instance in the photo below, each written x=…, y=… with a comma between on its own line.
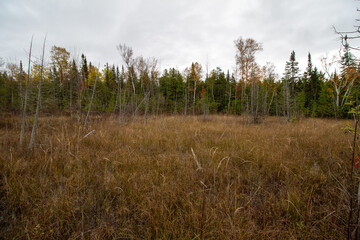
x=176, y=32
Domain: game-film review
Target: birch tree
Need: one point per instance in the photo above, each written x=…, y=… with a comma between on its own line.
x=193, y=77
x=126, y=53
x=246, y=65
x=342, y=85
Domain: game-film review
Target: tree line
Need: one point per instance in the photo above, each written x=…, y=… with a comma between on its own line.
x=137, y=87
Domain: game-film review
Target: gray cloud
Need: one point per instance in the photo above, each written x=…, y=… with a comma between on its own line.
x=176, y=32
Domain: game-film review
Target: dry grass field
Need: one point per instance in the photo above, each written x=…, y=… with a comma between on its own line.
x=175, y=178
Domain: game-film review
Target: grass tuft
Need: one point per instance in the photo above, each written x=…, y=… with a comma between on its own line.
x=175, y=179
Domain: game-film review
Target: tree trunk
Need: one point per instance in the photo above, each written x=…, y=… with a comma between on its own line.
x=265, y=104
x=147, y=97
x=276, y=106
x=194, y=97
x=71, y=115
x=186, y=101
x=175, y=108
x=120, y=104
x=252, y=101
x=25, y=98
x=91, y=101
x=256, y=111
x=212, y=92
x=20, y=87
x=204, y=108
x=235, y=99
x=288, y=100
x=247, y=110
x=158, y=104
x=12, y=92
x=144, y=99
x=32, y=139
x=229, y=103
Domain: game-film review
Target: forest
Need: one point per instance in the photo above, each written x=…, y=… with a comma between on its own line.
x=138, y=86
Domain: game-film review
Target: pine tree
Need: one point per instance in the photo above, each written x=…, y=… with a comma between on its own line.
x=347, y=59
x=84, y=69
x=307, y=86
x=74, y=85
x=291, y=81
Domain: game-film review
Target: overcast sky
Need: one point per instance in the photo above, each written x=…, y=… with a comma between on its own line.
x=177, y=32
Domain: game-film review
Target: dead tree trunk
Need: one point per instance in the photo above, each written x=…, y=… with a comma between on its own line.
x=265, y=109
x=194, y=103
x=147, y=98
x=25, y=98
x=91, y=101
x=158, y=105
x=33, y=133
x=137, y=108
x=70, y=100
x=120, y=104
x=229, y=103
x=284, y=102
x=186, y=101
x=288, y=100
x=20, y=80
x=12, y=92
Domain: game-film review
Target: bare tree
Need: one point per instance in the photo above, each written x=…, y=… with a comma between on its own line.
x=143, y=68
x=26, y=97
x=144, y=100
x=127, y=55
x=269, y=76
x=245, y=60
x=341, y=85
x=344, y=83
x=32, y=139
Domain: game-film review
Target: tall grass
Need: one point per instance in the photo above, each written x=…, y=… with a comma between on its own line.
x=175, y=179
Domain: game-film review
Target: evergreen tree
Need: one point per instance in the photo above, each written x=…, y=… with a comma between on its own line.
x=84, y=69
x=172, y=88
x=347, y=59
x=291, y=84
x=311, y=87
x=349, y=77
x=325, y=105
x=74, y=85
x=219, y=82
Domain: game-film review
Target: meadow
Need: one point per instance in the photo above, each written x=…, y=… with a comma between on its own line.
x=176, y=178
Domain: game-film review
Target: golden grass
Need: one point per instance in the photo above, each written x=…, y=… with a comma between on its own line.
x=274, y=180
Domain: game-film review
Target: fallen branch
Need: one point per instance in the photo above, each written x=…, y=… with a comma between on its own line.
x=88, y=134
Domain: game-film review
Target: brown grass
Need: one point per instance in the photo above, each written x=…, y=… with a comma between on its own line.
x=142, y=181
